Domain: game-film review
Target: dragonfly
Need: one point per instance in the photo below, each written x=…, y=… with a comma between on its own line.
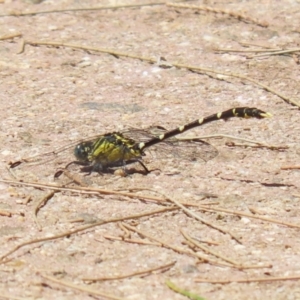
x=119, y=149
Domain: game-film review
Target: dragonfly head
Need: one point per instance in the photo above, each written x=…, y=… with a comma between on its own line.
x=82, y=151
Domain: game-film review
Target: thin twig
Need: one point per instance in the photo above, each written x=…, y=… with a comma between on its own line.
x=258, y=146
x=5, y=213
x=133, y=241
x=246, y=50
x=126, y=231
x=209, y=242
x=83, y=228
x=258, y=83
x=154, y=60
x=82, y=190
x=209, y=251
x=145, y=272
x=182, y=292
x=255, y=210
x=95, y=191
x=178, y=249
x=296, y=277
x=27, y=199
x=269, y=53
x=51, y=11
x=261, y=144
x=233, y=14
x=9, y=213
x=40, y=204
x=75, y=178
x=81, y=288
x=256, y=45
x=295, y=167
x=10, y=36
x=244, y=214
x=194, y=254
x=274, y=184
x=197, y=217
x=4, y=295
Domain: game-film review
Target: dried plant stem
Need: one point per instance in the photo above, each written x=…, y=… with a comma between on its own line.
x=256, y=45
x=51, y=11
x=295, y=167
x=5, y=213
x=10, y=36
x=258, y=83
x=194, y=254
x=182, y=292
x=145, y=272
x=197, y=217
x=141, y=242
x=162, y=63
x=233, y=14
x=247, y=50
x=4, y=295
x=83, y=228
x=278, y=52
x=233, y=212
x=82, y=190
x=260, y=144
x=41, y=203
x=75, y=178
x=244, y=214
x=178, y=249
x=81, y=288
x=248, y=280
x=209, y=251
x=94, y=191
x=126, y=234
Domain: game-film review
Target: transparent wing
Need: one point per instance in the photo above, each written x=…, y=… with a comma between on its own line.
x=192, y=150
x=46, y=164
x=188, y=149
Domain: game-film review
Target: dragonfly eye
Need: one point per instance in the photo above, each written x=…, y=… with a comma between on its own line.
x=82, y=151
